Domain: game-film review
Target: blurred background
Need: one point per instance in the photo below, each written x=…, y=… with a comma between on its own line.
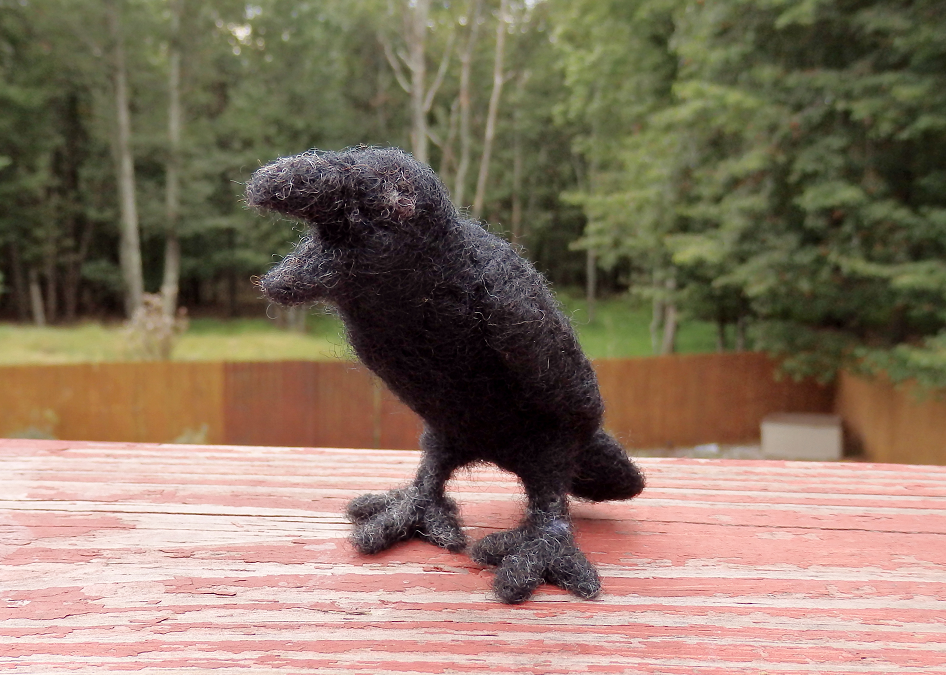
x=692, y=175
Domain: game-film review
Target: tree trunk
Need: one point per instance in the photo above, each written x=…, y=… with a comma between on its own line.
x=499, y=78
x=466, y=66
x=52, y=280
x=516, y=216
x=421, y=95
x=172, y=246
x=446, y=155
x=517, y=160
x=73, y=275
x=233, y=293
x=130, y=251
x=76, y=226
x=36, y=299
x=295, y=319
x=20, y=286
x=591, y=282
x=417, y=64
x=657, y=319
x=669, y=343
x=381, y=98
x=591, y=258
x=741, y=334
x=659, y=310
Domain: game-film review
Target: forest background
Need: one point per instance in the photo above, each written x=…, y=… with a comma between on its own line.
x=776, y=167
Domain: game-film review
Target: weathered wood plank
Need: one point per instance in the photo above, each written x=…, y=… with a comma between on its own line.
x=234, y=560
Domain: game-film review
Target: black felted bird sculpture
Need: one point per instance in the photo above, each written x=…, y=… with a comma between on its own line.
x=467, y=334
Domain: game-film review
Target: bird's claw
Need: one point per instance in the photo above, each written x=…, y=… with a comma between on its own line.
x=529, y=555
x=382, y=520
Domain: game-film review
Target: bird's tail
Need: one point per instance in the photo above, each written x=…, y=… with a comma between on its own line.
x=603, y=471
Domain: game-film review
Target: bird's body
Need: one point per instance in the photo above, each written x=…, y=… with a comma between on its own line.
x=466, y=333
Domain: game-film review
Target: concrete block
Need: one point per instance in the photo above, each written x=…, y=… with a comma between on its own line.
x=806, y=436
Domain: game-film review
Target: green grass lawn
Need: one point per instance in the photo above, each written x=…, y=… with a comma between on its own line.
x=620, y=329
x=262, y=340
x=22, y=344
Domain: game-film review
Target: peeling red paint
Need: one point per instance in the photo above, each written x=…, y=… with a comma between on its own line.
x=48, y=526
x=127, y=557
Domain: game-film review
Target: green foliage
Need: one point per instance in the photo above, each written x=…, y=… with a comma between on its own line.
x=779, y=164
x=259, y=80
x=924, y=363
x=794, y=173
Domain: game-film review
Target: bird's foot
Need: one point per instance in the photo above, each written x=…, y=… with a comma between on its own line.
x=531, y=554
x=382, y=520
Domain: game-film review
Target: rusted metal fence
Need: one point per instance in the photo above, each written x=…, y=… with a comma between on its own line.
x=700, y=398
x=651, y=402
x=892, y=424
x=324, y=404
x=141, y=402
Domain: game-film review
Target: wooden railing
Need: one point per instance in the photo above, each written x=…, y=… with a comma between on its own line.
x=651, y=402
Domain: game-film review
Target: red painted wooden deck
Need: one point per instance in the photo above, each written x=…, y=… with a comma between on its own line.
x=211, y=559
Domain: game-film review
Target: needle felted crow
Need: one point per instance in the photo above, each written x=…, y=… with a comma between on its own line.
x=468, y=335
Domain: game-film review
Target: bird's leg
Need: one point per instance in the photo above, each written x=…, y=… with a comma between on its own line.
x=419, y=510
x=541, y=549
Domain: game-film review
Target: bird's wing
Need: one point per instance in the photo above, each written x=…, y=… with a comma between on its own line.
x=525, y=325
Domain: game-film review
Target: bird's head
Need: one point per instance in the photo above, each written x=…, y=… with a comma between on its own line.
x=355, y=189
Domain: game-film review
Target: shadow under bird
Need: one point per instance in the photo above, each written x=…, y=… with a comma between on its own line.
x=467, y=334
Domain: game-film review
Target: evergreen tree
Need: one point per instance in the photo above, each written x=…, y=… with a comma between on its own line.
x=796, y=168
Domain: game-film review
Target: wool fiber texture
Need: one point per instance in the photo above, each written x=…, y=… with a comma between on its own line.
x=466, y=333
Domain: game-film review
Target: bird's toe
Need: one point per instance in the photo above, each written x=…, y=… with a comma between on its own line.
x=364, y=507
x=527, y=556
x=382, y=520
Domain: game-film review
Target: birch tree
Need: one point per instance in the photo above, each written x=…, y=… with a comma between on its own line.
x=130, y=247
x=489, y=134
x=172, y=244
x=412, y=56
x=465, y=104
